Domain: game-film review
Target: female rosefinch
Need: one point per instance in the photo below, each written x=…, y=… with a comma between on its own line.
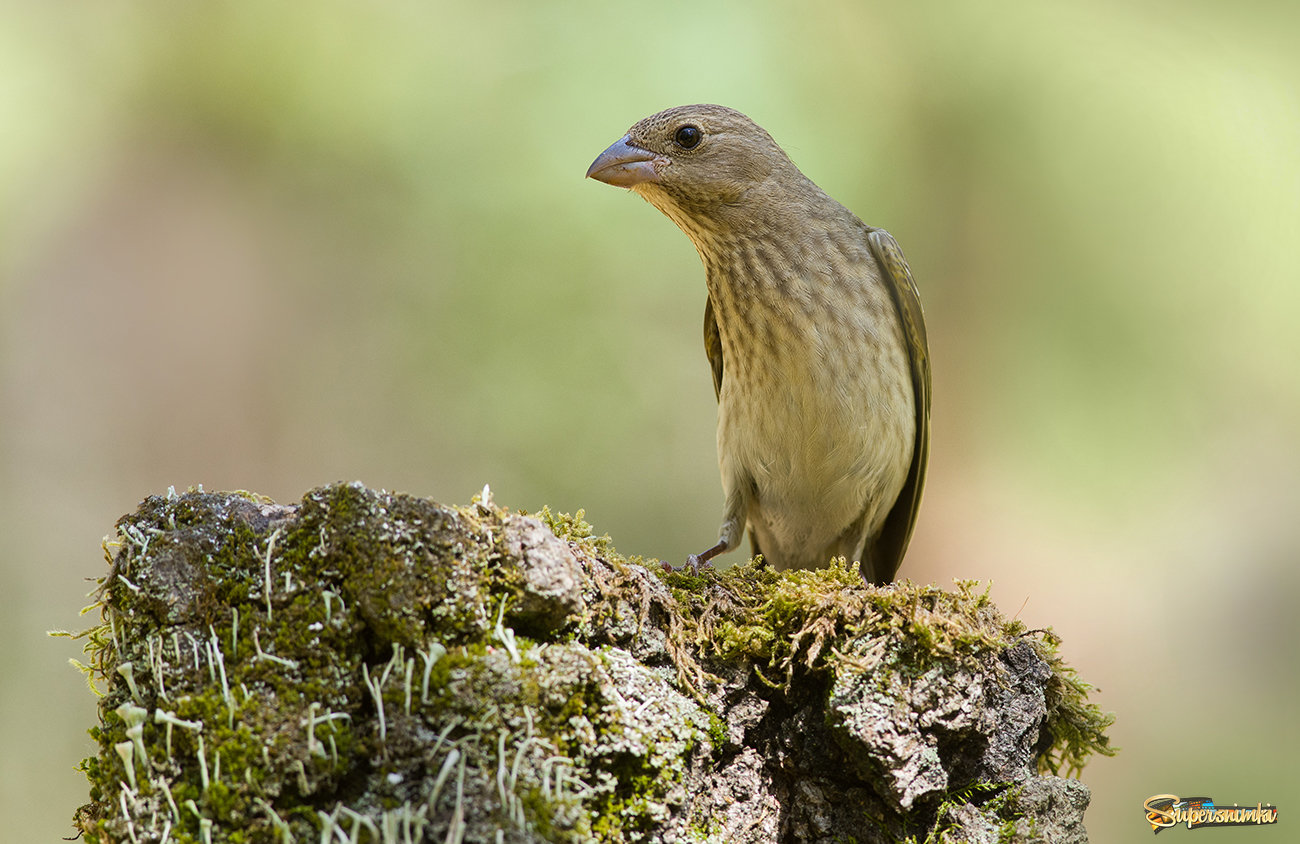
x=814, y=331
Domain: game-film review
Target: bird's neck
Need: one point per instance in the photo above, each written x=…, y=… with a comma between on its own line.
x=774, y=280
x=771, y=250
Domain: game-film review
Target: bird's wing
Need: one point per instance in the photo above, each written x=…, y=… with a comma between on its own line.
x=886, y=552
x=713, y=346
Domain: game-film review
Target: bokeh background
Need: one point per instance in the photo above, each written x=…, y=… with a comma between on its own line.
x=270, y=245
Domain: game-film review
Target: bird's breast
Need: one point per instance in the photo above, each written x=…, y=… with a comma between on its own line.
x=815, y=408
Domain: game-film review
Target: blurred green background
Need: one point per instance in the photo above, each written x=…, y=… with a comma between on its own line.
x=272, y=245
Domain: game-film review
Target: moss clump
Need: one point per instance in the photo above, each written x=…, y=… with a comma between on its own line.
x=795, y=618
x=1074, y=729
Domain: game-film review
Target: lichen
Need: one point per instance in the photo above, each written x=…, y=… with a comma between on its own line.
x=369, y=666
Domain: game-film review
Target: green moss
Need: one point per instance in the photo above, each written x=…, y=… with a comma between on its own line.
x=1075, y=728
x=997, y=802
x=796, y=617
x=717, y=732
x=574, y=528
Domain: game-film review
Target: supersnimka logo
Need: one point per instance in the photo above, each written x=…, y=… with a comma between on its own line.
x=1164, y=811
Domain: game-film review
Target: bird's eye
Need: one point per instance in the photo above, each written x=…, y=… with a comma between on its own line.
x=688, y=137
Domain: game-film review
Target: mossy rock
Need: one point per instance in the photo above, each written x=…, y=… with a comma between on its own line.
x=370, y=666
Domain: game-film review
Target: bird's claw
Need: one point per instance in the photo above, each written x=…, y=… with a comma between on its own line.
x=694, y=562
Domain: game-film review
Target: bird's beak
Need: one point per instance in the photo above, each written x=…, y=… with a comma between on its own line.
x=624, y=165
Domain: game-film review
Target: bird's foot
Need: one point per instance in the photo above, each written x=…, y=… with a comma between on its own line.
x=695, y=562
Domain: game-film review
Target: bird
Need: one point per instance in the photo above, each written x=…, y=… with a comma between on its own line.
x=815, y=336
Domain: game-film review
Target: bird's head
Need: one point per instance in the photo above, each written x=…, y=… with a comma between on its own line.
x=694, y=162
